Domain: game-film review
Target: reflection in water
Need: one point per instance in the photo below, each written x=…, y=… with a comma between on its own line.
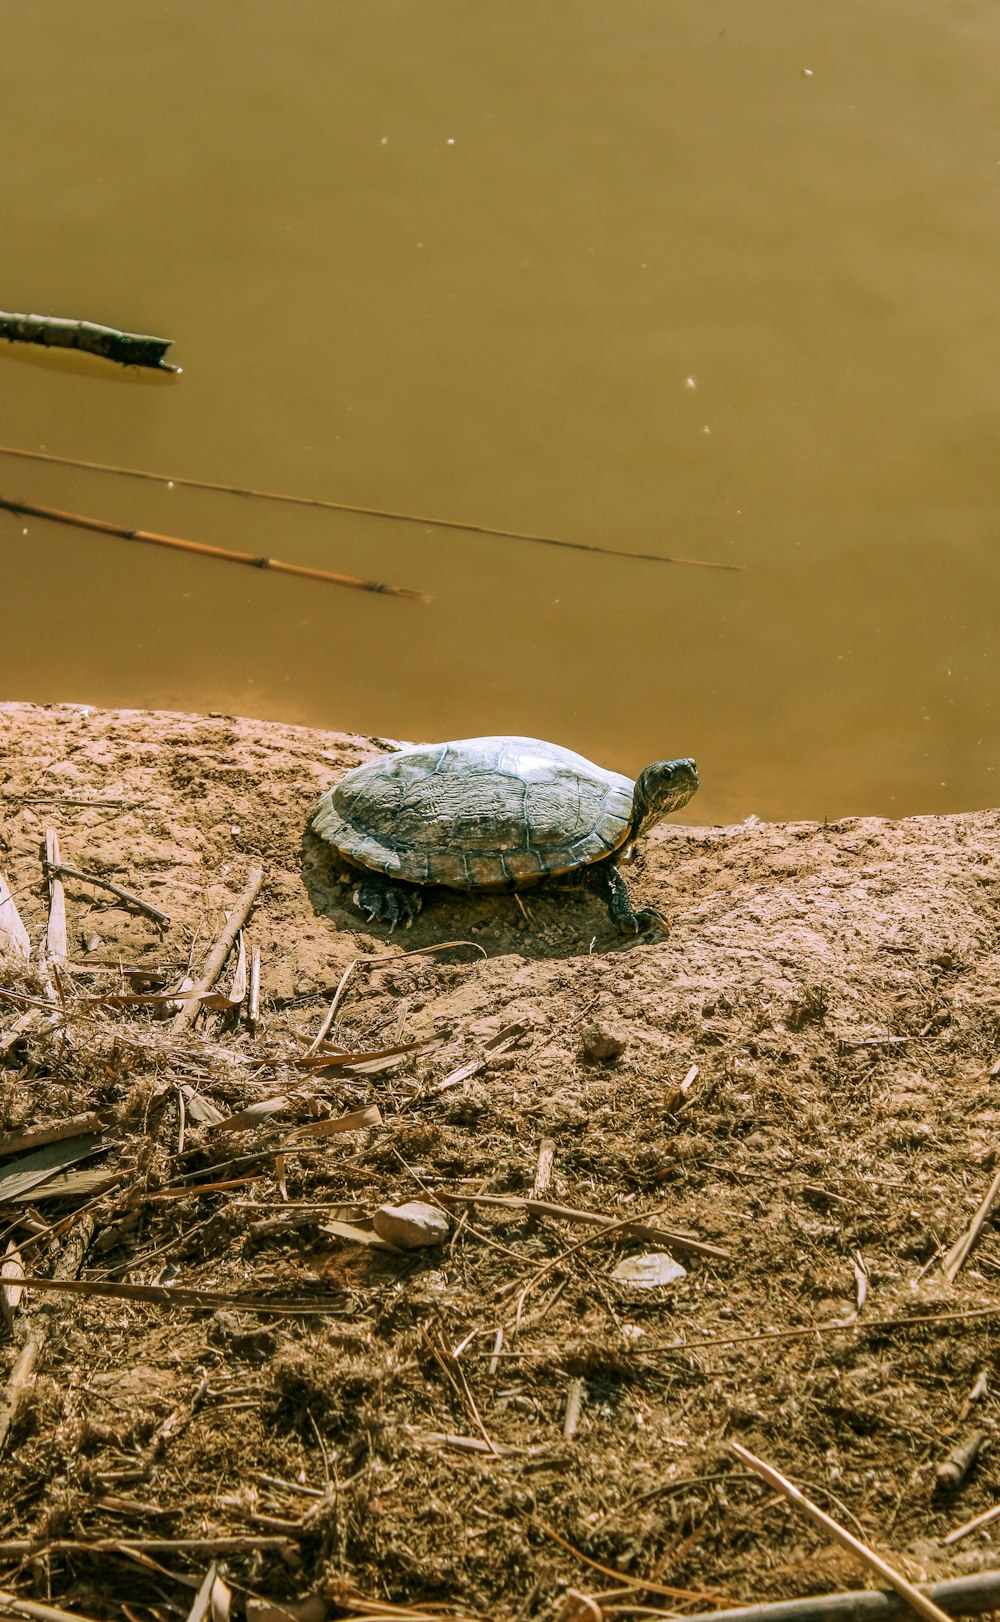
x=675, y=280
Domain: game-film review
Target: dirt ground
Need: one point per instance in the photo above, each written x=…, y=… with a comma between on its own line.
x=800, y=1085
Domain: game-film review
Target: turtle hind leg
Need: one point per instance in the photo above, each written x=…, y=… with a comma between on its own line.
x=384, y=902
x=605, y=879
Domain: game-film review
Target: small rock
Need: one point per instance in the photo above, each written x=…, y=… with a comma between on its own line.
x=412, y=1226
x=600, y=1040
x=646, y=1272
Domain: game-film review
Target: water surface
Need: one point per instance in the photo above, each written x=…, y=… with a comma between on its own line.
x=692, y=279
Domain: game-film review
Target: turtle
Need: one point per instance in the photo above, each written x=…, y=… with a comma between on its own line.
x=496, y=813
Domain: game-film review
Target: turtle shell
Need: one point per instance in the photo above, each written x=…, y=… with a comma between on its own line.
x=478, y=814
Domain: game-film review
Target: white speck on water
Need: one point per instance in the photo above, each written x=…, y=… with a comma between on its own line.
x=807, y=73
x=24, y=531
x=451, y=140
x=706, y=429
x=384, y=141
x=170, y=484
x=690, y=383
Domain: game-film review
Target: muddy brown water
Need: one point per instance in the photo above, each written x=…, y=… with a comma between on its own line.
x=689, y=279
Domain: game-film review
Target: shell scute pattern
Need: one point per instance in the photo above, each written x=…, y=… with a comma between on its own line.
x=482, y=813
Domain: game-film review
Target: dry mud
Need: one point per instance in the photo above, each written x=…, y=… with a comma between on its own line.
x=803, y=1075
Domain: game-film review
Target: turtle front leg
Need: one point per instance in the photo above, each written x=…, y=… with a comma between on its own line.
x=384, y=902
x=608, y=883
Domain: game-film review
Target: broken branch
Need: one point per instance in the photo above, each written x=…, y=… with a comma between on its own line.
x=56, y=332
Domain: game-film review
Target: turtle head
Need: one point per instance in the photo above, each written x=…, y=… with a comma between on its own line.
x=663, y=787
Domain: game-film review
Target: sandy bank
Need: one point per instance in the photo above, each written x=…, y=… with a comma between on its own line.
x=831, y=994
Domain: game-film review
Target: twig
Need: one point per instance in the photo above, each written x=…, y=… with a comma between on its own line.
x=980, y=1386
x=543, y=1170
x=463, y=1393
x=16, y=1606
x=55, y=515
x=208, y=1545
x=253, y=1001
x=33, y=1137
x=55, y=940
x=915, y=1599
x=364, y=1061
x=959, y=1596
x=220, y=951
x=12, y=931
x=497, y=1349
x=331, y=1012
x=181, y=1119
x=465, y=1444
x=574, y=1403
x=367, y=512
x=56, y=332
x=66, y=1269
x=557, y=1261
x=986, y=1518
x=501, y=1043
x=954, y=1468
x=960, y=1249
x=203, y=1598
x=382, y=957
x=174, y=1295
x=678, y=1096
x=873, y=1041
x=840, y=1326
x=238, y=988
x=65, y=870
x=568, y=1213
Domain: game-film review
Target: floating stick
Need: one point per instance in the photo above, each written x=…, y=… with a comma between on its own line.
x=56, y=516
x=55, y=332
x=366, y=512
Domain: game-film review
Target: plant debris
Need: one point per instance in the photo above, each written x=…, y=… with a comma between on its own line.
x=226, y=1389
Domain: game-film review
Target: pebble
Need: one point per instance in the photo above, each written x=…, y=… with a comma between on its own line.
x=646, y=1272
x=412, y=1226
x=599, y=1040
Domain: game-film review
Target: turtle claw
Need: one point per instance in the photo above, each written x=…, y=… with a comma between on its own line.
x=386, y=903
x=649, y=919
x=605, y=878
